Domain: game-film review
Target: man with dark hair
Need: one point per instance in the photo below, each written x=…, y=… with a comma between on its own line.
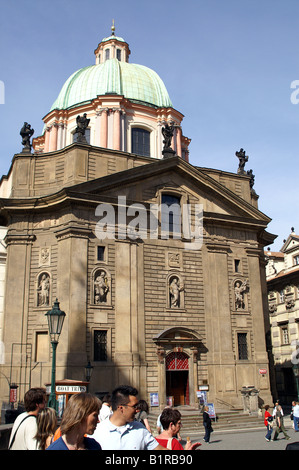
x=121, y=431
x=24, y=429
x=121, y=396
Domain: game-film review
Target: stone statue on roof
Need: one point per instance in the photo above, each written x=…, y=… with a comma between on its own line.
x=242, y=160
x=26, y=132
x=167, y=132
x=82, y=124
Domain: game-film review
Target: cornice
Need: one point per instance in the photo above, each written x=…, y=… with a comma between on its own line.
x=19, y=239
x=72, y=231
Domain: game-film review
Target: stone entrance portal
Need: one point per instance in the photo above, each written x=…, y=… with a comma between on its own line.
x=177, y=378
x=178, y=351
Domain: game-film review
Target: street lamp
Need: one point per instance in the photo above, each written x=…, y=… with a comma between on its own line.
x=296, y=375
x=88, y=371
x=55, y=322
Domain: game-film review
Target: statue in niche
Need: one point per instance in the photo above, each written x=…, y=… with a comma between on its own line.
x=240, y=289
x=242, y=160
x=101, y=288
x=82, y=124
x=26, y=132
x=175, y=292
x=43, y=290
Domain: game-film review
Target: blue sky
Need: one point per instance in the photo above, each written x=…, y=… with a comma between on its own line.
x=228, y=66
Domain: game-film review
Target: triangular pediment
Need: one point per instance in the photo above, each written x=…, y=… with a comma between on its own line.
x=291, y=244
x=143, y=184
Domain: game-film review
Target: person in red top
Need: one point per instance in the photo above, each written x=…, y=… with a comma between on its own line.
x=171, y=423
x=268, y=423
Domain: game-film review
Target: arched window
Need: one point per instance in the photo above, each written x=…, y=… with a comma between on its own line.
x=141, y=141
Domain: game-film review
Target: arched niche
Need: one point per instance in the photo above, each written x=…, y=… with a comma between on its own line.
x=101, y=287
x=43, y=289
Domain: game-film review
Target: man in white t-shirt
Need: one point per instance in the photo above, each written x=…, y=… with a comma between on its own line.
x=296, y=416
x=121, y=431
x=24, y=429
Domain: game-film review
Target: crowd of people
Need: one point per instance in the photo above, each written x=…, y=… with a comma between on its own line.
x=118, y=422
x=275, y=421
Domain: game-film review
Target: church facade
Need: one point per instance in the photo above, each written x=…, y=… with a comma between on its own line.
x=171, y=311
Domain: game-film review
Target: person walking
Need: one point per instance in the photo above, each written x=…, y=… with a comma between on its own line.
x=275, y=409
x=80, y=417
x=279, y=424
x=25, y=427
x=207, y=422
x=268, y=421
x=46, y=422
x=296, y=416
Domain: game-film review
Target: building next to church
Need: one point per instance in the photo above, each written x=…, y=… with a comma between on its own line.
x=282, y=273
x=170, y=314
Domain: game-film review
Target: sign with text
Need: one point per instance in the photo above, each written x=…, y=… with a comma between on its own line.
x=154, y=399
x=211, y=411
x=68, y=388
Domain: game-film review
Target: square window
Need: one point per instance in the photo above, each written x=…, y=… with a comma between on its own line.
x=242, y=346
x=237, y=265
x=285, y=335
x=100, y=345
x=100, y=253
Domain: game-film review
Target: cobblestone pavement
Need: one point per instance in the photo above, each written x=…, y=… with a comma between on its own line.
x=251, y=439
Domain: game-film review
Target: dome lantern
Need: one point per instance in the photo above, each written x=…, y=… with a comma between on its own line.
x=112, y=47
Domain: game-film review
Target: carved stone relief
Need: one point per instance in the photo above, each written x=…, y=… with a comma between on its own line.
x=44, y=256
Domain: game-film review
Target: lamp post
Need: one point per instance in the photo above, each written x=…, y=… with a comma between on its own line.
x=88, y=372
x=55, y=321
x=296, y=375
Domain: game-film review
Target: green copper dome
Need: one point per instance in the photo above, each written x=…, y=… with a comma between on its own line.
x=134, y=82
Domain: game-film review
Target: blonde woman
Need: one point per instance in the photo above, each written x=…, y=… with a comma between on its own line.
x=46, y=422
x=80, y=417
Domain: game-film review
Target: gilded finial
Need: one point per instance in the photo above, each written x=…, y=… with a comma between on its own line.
x=113, y=28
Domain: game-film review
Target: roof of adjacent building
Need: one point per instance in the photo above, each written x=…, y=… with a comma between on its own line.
x=283, y=273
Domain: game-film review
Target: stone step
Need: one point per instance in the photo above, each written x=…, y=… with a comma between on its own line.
x=193, y=423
